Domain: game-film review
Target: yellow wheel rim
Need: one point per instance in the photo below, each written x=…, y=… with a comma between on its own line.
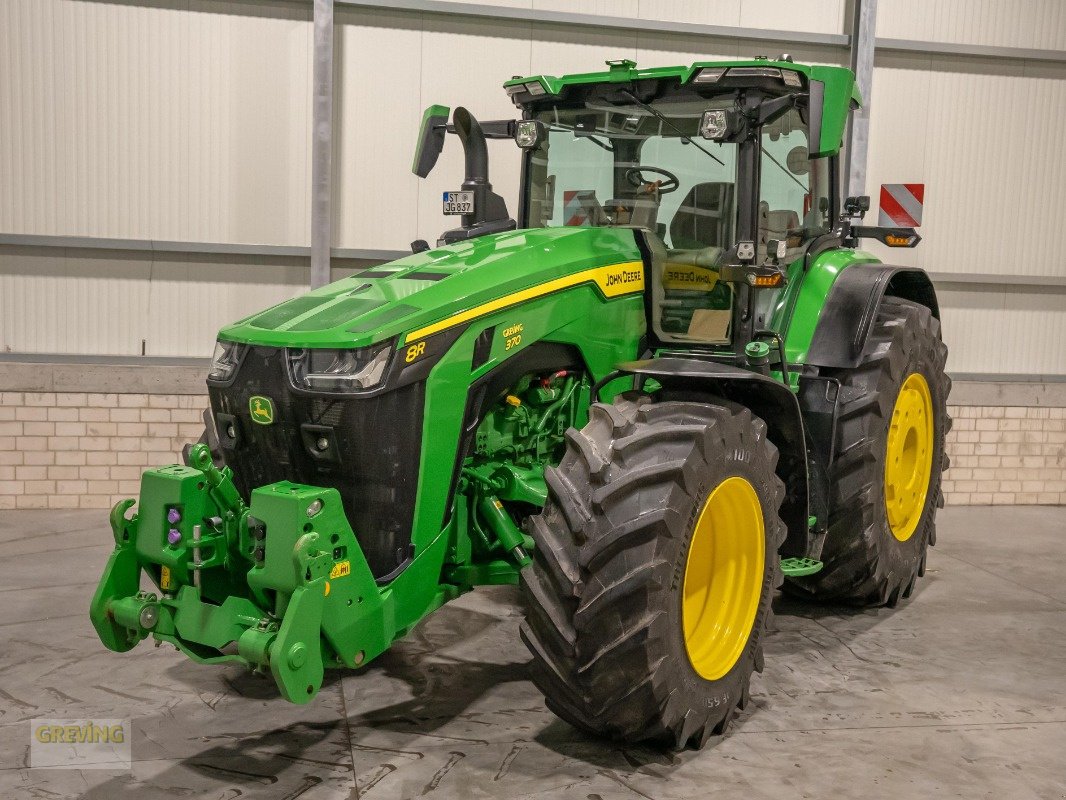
x=909, y=456
x=723, y=578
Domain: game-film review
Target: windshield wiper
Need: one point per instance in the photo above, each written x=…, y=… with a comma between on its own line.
x=798, y=182
x=580, y=134
x=684, y=137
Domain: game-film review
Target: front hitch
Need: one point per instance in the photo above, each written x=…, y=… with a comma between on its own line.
x=280, y=585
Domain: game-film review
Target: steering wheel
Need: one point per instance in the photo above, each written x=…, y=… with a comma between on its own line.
x=635, y=177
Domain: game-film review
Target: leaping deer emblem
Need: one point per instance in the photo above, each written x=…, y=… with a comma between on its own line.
x=262, y=410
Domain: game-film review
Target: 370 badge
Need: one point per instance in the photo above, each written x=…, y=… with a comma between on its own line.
x=512, y=335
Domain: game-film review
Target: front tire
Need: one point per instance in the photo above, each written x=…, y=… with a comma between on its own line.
x=655, y=565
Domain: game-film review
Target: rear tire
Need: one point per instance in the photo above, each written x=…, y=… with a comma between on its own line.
x=617, y=593
x=872, y=557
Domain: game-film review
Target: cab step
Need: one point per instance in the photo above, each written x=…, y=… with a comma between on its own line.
x=798, y=567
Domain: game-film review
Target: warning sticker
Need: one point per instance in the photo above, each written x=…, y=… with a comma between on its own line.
x=340, y=569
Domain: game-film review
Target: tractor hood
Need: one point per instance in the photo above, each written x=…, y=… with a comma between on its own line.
x=424, y=292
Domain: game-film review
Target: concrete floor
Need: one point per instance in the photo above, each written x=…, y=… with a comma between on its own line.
x=961, y=692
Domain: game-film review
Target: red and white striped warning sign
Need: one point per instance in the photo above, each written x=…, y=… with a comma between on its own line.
x=901, y=205
x=577, y=206
x=573, y=213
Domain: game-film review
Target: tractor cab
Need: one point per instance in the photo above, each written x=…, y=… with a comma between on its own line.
x=651, y=158
x=728, y=171
x=716, y=170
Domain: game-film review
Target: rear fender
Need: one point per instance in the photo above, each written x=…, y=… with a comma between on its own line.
x=851, y=308
x=771, y=400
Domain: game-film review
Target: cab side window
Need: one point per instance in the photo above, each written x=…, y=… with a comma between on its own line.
x=794, y=190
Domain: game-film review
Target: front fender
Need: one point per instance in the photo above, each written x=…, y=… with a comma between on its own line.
x=770, y=400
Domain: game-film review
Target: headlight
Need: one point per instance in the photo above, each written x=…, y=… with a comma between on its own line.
x=713, y=125
x=334, y=370
x=225, y=361
x=528, y=133
x=721, y=125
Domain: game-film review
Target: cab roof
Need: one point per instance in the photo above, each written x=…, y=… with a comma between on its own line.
x=834, y=85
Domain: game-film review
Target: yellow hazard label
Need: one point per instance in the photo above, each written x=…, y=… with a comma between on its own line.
x=165, y=579
x=340, y=569
x=696, y=279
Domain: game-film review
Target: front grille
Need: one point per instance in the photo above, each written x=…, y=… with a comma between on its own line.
x=377, y=441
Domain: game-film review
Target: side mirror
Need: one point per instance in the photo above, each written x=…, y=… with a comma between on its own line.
x=430, y=139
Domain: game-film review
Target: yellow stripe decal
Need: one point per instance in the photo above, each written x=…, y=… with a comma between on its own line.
x=613, y=280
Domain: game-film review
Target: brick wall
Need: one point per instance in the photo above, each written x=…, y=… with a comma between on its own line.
x=1006, y=456
x=87, y=450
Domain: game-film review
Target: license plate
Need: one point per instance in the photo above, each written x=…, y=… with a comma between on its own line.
x=458, y=202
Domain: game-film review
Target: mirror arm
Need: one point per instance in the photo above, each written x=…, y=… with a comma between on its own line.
x=770, y=110
x=493, y=128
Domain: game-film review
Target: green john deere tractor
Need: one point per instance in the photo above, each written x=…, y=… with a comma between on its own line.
x=670, y=384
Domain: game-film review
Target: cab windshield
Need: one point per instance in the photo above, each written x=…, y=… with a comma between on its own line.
x=627, y=166
x=647, y=166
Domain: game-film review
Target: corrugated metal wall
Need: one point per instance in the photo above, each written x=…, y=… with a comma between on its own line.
x=93, y=301
x=191, y=121
x=983, y=136
x=163, y=122
x=1039, y=24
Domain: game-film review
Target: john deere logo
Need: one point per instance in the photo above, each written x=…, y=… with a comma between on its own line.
x=262, y=409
